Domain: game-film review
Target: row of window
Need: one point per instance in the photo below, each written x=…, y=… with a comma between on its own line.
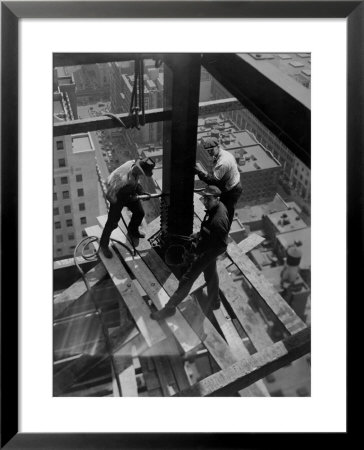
x=67, y=209
x=66, y=194
x=69, y=223
x=59, y=250
x=59, y=240
x=59, y=237
x=64, y=180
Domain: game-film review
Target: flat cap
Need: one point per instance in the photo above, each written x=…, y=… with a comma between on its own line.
x=209, y=142
x=211, y=191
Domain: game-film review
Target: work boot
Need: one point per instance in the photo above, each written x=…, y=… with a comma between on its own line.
x=216, y=305
x=165, y=312
x=136, y=233
x=106, y=252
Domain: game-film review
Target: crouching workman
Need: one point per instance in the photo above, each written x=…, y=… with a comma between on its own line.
x=212, y=242
x=123, y=188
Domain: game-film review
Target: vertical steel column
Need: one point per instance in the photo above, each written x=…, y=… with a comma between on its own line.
x=181, y=96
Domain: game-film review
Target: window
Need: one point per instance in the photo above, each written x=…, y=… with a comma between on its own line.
x=64, y=180
x=83, y=220
x=59, y=145
x=81, y=207
x=71, y=236
x=66, y=194
x=54, y=196
x=80, y=192
x=67, y=209
x=84, y=234
x=59, y=239
x=62, y=162
x=57, y=225
x=79, y=177
x=55, y=211
x=69, y=222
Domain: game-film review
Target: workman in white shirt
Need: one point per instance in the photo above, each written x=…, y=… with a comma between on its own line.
x=225, y=174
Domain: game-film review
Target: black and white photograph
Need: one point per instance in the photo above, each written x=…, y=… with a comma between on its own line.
x=180, y=184
x=182, y=224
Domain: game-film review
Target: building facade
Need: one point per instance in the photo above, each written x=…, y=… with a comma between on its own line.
x=75, y=182
x=295, y=173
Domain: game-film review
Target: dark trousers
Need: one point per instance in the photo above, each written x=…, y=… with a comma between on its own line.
x=230, y=199
x=114, y=217
x=206, y=263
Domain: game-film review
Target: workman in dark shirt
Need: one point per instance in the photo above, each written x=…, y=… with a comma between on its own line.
x=224, y=174
x=211, y=242
x=123, y=188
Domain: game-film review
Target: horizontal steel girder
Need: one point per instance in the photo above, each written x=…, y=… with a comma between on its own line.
x=279, y=102
x=152, y=115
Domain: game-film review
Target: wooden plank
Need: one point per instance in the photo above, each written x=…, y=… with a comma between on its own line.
x=150, y=377
x=177, y=364
x=140, y=312
x=235, y=342
x=245, y=372
x=260, y=284
x=164, y=370
x=126, y=375
x=72, y=293
x=155, y=263
x=231, y=335
x=177, y=323
x=165, y=375
x=212, y=340
x=239, y=302
x=252, y=241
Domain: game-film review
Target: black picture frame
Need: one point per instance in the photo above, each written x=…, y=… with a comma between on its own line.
x=11, y=12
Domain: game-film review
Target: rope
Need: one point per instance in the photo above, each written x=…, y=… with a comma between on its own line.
x=137, y=95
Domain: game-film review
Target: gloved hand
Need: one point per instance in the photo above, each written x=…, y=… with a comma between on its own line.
x=133, y=197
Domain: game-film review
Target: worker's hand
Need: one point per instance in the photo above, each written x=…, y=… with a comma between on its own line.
x=196, y=170
x=133, y=198
x=111, y=198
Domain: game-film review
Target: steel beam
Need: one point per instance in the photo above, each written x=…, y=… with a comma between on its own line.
x=181, y=96
x=75, y=59
x=152, y=115
x=247, y=371
x=281, y=104
x=105, y=122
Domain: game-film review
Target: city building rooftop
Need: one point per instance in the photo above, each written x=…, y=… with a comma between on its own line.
x=82, y=143
x=304, y=236
x=285, y=221
x=254, y=158
x=254, y=213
